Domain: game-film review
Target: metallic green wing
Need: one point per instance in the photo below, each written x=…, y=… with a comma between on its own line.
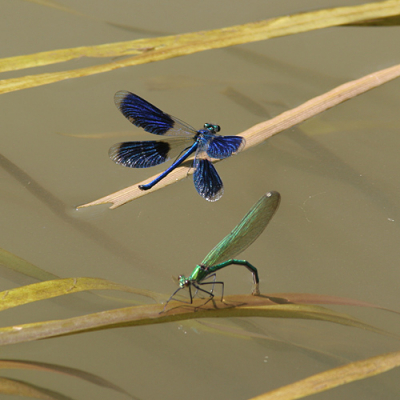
x=246, y=232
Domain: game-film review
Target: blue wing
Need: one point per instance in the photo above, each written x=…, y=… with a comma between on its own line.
x=140, y=154
x=144, y=115
x=206, y=180
x=224, y=146
x=148, y=153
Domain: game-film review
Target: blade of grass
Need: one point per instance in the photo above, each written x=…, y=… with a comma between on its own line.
x=334, y=377
x=162, y=48
x=389, y=21
x=246, y=306
x=49, y=289
x=263, y=131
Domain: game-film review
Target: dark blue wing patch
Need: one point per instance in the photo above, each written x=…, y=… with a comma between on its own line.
x=224, y=146
x=140, y=154
x=143, y=114
x=207, y=181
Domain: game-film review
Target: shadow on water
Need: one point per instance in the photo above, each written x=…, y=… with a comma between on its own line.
x=61, y=210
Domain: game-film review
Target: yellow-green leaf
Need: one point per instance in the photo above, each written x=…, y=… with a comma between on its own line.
x=19, y=388
x=334, y=377
x=49, y=289
x=233, y=306
x=162, y=48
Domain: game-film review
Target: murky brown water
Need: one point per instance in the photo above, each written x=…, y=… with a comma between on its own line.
x=336, y=232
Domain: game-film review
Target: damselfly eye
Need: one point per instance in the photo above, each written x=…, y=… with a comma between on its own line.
x=212, y=128
x=183, y=281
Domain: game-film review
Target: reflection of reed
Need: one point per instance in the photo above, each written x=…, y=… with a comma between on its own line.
x=61, y=210
x=22, y=388
x=336, y=169
x=246, y=102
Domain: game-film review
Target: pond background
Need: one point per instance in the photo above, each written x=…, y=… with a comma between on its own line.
x=337, y=231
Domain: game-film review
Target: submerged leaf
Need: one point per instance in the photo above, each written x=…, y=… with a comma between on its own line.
x=54, y=4
x=17, y=264
x=334, y=377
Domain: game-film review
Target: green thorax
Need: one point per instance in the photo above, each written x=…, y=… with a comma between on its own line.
x=198, y=274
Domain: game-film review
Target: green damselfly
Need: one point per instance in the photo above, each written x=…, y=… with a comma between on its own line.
x=222, y=255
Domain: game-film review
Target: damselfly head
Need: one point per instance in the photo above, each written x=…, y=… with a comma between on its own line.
x=183, y=281
x=212, y=128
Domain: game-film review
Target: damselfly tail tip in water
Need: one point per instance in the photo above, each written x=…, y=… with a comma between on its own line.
x=180, y=141
x=222, y=255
